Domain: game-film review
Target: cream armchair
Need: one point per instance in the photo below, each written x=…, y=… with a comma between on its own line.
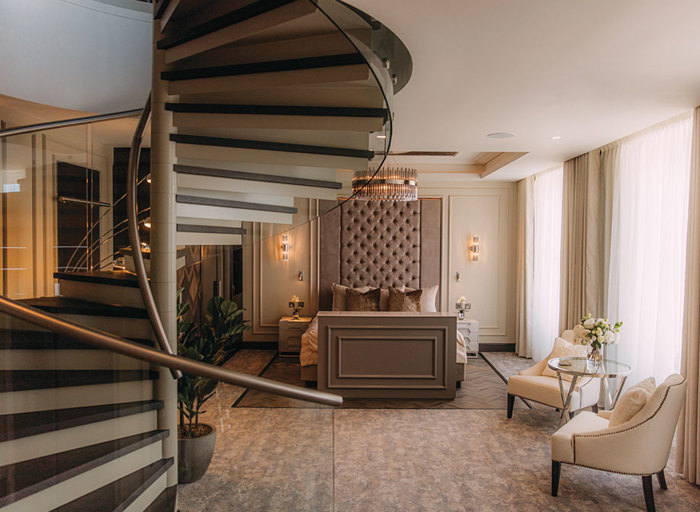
x=542, y=386
x=640, y=446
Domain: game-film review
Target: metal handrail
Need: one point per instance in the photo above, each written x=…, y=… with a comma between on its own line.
x=135, y=239
x=87, y=202
x=175, y=363
x=76, y=121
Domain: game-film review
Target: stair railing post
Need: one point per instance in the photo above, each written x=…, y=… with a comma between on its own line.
x=163, y=243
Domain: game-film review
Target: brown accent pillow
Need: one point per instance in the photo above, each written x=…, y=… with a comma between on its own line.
x=339, y=296
x=404, y=301
x=358, y=301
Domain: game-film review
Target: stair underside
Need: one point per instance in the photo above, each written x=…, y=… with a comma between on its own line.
x=220, y=22
x=256, y=68
x=118, y=495
x=199, y=140
x=219, y=230
x=22, y=479
x=253, y=176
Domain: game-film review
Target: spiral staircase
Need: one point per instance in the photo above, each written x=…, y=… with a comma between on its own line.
x=262, y=102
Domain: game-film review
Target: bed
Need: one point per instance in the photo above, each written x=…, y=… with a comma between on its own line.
x=383, y=354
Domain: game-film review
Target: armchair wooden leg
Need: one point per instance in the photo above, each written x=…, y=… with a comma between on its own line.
x=662, y=479
x=648, y=493
x=556, y=473
x=511, y=403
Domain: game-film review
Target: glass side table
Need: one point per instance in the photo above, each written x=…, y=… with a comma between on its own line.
x=580, y=367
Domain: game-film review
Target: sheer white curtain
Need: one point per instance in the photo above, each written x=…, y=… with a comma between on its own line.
x=547, y=204
x=539, y=262
x=650, y=180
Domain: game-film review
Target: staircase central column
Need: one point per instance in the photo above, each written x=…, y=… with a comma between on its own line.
x=163, y=245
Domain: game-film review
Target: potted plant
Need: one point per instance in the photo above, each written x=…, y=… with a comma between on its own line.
x=214, y=342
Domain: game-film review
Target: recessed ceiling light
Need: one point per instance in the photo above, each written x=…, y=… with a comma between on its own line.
x=381, y=136
x=501, y=135
x=556, y=137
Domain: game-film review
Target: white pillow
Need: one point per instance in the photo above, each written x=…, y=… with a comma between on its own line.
x=563, y=348
x=632, y=402
x=427, y=298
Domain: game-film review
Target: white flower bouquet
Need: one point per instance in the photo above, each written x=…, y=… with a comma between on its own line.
x=596, y=332
x=461, y=306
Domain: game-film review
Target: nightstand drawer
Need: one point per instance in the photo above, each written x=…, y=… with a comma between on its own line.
x=290, y=344
x=290, y=332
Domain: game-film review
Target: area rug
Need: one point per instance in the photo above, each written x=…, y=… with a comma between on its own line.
x=482, y=389
x=507, y=364
x=406, y=460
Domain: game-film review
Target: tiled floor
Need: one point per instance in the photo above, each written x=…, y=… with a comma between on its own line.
x=309, y=459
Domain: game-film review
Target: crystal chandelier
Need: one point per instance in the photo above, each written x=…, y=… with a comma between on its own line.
x=388, y=184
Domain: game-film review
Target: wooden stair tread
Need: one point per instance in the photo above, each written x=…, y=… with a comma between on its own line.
x=165, y=502
x=16, y=426
x=237, y=16
x=114, y=278
x=18, y=339
x=274, y=66
x=254, y=176
x=22, y=479
x=70, y=306
x=24, y=380
x=118, y=495
x=201, y=140
x=277, y=110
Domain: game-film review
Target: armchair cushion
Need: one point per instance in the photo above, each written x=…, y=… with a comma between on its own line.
x=632, y=402
x=562, y=439
x=563, y=348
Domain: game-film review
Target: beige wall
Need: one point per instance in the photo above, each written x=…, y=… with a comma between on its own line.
x=269, y=282
x=486, y=209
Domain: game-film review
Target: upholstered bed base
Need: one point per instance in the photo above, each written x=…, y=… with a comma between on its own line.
x=387, y=354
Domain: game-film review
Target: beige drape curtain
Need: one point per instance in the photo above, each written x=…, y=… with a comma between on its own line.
x=582, y=256
x=525, y=266
x=687, y=445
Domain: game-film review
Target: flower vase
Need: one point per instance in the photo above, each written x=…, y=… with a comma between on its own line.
x=595, y=355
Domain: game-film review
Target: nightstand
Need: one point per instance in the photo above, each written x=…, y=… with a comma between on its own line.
x=470, y=331
x=290, y=331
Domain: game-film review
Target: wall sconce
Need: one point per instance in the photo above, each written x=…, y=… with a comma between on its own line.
x=474, y=248
x=300, y=275
x=285, y=247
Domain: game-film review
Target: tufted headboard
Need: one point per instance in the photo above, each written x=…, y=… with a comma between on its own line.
x=380, y=244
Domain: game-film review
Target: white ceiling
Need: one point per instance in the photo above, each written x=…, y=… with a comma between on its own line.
x=588, y=71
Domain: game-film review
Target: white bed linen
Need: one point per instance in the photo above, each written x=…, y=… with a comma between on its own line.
x=309, y=346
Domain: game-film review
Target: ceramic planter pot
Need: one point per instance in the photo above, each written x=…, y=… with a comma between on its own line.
x=194, y=455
